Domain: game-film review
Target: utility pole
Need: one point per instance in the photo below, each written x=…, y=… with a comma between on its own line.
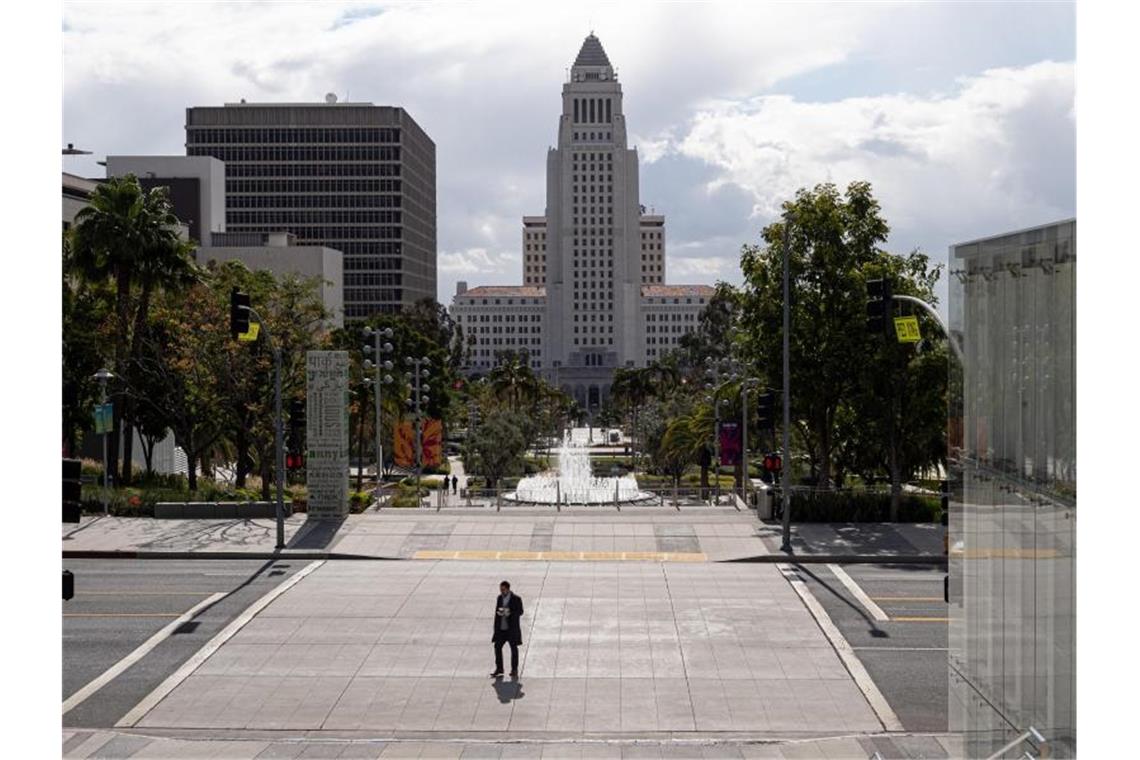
x=785, y=475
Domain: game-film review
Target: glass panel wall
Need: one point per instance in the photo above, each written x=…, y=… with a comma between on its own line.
x=1012, y=433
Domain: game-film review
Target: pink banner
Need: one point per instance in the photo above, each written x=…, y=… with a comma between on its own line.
x=729, y=443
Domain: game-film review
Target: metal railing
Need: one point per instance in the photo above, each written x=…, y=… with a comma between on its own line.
x=1028, y=734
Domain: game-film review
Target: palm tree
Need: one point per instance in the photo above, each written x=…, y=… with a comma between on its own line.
x=513, y=380
x=130, y=237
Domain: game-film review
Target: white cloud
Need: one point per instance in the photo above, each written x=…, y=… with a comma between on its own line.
x=479, y=260
x=998, y=149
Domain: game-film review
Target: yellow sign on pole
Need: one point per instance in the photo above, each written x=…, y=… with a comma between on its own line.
x=251, y=336
x=906, y=328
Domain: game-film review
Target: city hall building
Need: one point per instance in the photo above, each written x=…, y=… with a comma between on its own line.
x=593, y=296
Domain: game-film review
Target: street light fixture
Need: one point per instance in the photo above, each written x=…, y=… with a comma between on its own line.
x=103, y=375
x=378, y=344
x=71, y=150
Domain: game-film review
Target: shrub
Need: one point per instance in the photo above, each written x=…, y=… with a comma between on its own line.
x=862, y=506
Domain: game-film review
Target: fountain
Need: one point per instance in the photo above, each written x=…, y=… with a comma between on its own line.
x=574, y=483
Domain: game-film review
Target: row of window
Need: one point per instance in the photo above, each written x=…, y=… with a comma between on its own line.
x=309, y=216
x=596, y=329
x=600, y=178
x=371, y=294
x=595, y=342
x=578, y=136
x=593, y=110
x=368, y=278
x=319, y=235
x=238, y=170
x=502, y=318
x=689, y=317
x=312, y=201
x=331, y=185
x=294, y=153
x=200, y=135
x=592, y=156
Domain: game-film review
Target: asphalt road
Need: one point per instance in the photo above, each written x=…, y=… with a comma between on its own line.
x=906, y=655
x=119, y=604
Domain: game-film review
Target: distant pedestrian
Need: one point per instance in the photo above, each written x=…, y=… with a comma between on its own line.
x=508, y=610
x=454, y=484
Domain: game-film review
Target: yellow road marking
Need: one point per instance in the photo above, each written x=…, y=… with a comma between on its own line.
x=122, y=614
x=920, y=620
x=561, y=556
x=907, y=599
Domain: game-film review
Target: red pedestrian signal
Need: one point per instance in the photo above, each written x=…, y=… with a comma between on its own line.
x=294, y=461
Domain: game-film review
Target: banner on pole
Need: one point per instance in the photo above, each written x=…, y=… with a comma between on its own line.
x=729, y=443
x=405, y=443
x=404, y=448
x=433, y=443
x=104, y=418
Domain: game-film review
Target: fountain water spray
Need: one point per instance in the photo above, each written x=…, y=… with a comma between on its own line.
x=575, y=483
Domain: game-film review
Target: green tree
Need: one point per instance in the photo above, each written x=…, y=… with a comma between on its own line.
x=513, y=380
x=129, y=237
x=833, y=238
x=84, y=313
x=497, y=447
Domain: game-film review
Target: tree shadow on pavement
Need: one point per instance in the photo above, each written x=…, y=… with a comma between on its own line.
x=508, y=690
x=316, y=533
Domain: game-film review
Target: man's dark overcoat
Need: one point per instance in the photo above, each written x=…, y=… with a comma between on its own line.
x=514, y=629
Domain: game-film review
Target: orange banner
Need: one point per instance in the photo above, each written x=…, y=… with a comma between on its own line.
x=405, y=443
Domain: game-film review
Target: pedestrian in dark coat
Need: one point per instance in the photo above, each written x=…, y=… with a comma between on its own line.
x=507, y=630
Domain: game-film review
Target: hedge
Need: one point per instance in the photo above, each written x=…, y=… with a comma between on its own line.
x=862, y=506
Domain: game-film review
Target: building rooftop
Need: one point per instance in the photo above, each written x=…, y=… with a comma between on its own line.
x=592, y=53
x=673, y=291
x=520, y=291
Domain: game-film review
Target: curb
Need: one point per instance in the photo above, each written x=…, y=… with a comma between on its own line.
x=849, y=559
x=300, y=555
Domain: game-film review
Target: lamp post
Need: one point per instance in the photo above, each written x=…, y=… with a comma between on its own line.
x=378, y=344
x=419, y=399
x=103, y=376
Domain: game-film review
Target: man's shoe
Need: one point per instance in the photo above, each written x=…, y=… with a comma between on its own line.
x=514, y=674
x=497, y=674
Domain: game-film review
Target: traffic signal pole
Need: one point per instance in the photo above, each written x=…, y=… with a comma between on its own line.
x=785, y=476
x=240, y=312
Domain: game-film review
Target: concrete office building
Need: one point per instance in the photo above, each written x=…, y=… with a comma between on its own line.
x=279, y=253
x=353, y=177
x=1013, y=509
x=594, y=262
x=197, y=187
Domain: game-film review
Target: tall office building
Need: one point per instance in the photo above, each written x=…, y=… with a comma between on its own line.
x=594, y=296
x=1013, y=505
x=353, y=177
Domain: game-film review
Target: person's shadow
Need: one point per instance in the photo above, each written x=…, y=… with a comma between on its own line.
x=508, y=689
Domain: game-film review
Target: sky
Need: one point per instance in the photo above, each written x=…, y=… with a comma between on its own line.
x=961, y=115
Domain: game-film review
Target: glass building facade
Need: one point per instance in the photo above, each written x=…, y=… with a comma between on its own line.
x=1013, y=516
x=354, y=177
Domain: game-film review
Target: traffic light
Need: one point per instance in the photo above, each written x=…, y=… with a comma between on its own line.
x=878, y=305
x=766, y=410
x=239, y=313
x=72, y=490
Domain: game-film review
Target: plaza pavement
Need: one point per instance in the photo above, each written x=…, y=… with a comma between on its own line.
x=634, y=648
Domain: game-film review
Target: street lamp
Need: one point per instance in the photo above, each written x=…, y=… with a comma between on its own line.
x=418, y=400
x=103, y=376
x=750, y=382
x=71, y=150
x=379, y=345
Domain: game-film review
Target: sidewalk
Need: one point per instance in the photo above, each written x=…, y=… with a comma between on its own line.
x=645, y=533
x=140, y=746
x=635, y=533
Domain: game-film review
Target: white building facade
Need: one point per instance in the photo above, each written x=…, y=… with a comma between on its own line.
x=593, y=268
